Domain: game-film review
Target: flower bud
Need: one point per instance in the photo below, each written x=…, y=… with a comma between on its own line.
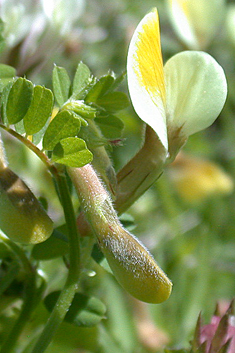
x=22, y=218
x=131, y=263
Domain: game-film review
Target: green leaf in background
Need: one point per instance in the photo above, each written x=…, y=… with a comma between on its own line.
x=4, y=250
x=39, y=135
x=65, y=124
x=61, y=84
x=81, y=80
x=73, y=152
x=4, y=98
x=176, y=351
x=19, y=127
x=100, y=88
x=2, y=39
x=19, y=100
x=118, y=80
x=110, y=126
x=53, y=247
x=84, y=311
x=6, y=74
x=113, y=101
x=127, y=221
x=39, y=111
x=100, y=259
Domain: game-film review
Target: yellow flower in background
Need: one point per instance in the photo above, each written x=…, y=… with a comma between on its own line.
x=196, y=22
x=196, y=179
x=178, y=100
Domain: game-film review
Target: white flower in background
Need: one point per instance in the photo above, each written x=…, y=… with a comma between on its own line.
x=18, y=16
x=196, y=21
x=230, y=23
x=62, y=14
x=29, y=18
x=180, y=99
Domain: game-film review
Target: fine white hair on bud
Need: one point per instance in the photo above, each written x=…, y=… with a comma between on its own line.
x=134, y=267
x=131, y=263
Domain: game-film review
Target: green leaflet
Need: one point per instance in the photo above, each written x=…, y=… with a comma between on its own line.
x=6, y=75
x=4, y=98
x=61, y=84
x=113, y=101
x=72, y=152
x=39, y=111
x=100, y=88
x=81, y=80
x=19, y=100
x=65, y=124
x=110, y=126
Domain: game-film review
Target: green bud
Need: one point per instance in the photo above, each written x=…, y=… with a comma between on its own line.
x=22, y=218
x=131, y=263
x=79, y=107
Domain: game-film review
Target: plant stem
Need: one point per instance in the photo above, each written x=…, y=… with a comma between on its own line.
x=32, y=147
x=140, y=172
x=9, y=276
x=68, y=292
x=29, y=296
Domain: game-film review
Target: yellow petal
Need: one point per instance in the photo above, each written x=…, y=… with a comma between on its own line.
x=145, y=75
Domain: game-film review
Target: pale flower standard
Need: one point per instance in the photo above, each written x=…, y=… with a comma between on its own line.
x=175, y=101
x=184, y=97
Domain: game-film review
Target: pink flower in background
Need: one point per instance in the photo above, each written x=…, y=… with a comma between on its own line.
x=218, y=333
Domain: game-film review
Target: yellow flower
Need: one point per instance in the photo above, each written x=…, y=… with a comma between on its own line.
x=196, y=179
x=178, y=100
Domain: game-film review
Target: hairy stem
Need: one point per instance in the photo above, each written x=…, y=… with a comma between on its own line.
x=140, y=172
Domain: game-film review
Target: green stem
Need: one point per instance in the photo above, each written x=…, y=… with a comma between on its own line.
x=140, y=172
x=29, y=296
x=68, y=292
x=9, y=277
x=32, y=147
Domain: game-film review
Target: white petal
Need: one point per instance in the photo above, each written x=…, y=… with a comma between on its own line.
x=145, y=75
x=196, y=91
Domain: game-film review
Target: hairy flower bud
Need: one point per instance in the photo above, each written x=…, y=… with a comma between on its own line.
x=131, y=263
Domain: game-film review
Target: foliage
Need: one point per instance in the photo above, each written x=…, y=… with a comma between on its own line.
x=75, y=113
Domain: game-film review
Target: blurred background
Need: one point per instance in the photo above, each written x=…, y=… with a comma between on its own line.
x=187, y=218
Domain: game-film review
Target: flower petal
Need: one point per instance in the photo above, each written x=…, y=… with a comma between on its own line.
x=145, y=75
x=196, y=91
